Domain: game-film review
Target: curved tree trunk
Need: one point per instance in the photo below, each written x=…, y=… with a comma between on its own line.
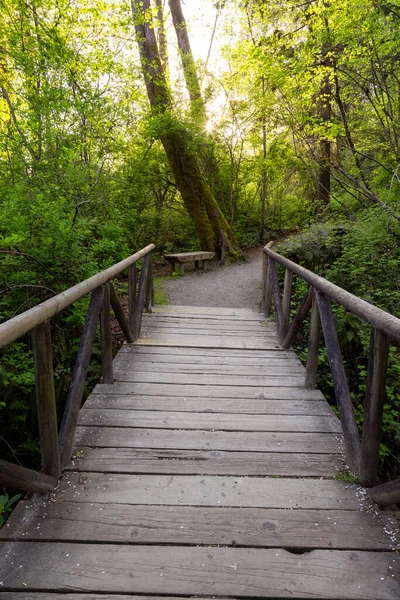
x=212, y=228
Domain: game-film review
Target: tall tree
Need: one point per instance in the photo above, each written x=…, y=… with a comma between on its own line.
x=212, y=228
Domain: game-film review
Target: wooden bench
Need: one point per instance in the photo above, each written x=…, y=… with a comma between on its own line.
x=177, y=260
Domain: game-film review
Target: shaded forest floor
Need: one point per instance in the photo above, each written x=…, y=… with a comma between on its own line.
x=233, y=286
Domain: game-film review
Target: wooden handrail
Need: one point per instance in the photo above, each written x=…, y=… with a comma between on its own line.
x=56, y=446
x=379, y=318
x=12, y=330
x=362, y=456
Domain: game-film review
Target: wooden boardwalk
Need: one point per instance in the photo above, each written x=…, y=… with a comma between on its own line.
x=207, y=470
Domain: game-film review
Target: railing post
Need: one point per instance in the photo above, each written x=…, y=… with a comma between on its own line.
x=120, y=315
x=46, y=399
x=267, y=287
x=277, y=299
x=313, y=346
x=373, y=408
x=132, y=299
x=343, y=398
x=106, y=338
x=75, y=394
x=149, y=287
x=142, y=292
x=287, y=292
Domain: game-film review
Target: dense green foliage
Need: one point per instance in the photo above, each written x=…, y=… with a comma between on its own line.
x=84, y=179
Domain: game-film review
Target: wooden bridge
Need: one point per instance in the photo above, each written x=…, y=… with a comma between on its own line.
x=206, y=463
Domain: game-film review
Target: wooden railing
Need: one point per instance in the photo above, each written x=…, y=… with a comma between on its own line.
x=362, y=455
x=56, y=445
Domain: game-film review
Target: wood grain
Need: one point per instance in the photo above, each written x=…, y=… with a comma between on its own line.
x=257, y=527
x=210, y=405
x=209, y=391
x=226, y=422
x=266, y=492
x=256, y=572
x=249, y=441
x=204, y=462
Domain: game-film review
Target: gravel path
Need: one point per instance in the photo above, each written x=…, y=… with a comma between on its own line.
x=234, y=286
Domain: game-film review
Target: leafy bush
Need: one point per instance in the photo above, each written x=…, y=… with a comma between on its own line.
x=363, y=257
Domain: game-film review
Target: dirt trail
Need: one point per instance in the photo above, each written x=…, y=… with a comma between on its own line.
x=234, y=286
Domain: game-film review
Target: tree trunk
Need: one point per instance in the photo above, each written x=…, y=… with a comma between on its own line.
x=212, y=228
x=162, y=38
x=188, y=63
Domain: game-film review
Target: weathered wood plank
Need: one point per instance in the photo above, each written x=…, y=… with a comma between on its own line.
x=191, y=490
x=207, y=311
x=207, y=352
x=130, y=354
x=155, y=331
x=202, y=341
x=271, y=370
x=206, y=379
x=254, y=527
x=210, y=391
x=327, y=574
x=103, y=437
x=110, y=417
x=208, y=405
x=165, y=321
x=199, y=462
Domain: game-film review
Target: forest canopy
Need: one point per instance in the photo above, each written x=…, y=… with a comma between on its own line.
x=212, y=125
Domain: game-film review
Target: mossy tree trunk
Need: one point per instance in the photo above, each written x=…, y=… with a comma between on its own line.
x=211, y=226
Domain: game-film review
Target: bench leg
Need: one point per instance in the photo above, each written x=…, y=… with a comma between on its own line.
x=181, y=270
x=196, y=264
x=172, y=267
x=204, y=265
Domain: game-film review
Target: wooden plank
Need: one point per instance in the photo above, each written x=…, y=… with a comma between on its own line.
x=188, y=420
x=214, y=341
x=103, y=437
x=121, y=366
x=221, y=405
x=206, y=379
x=133, y=354
x=203, y=462
x=254, y=527
x=21, y=478
x=208, y=352
x=166, y=321
x=191, y=490
x=46, y=400
x=247, y=572
x=210, y=391
x=155, y=331
x=209, y=312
